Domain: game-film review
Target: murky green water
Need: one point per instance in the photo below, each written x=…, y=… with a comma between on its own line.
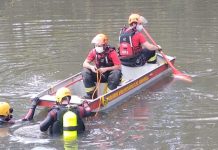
x=44, y=41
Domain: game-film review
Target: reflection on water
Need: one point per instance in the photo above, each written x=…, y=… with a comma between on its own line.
x=43, y=42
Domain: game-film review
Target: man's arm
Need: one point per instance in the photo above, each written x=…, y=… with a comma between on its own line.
x=48, y=121
x=112, y=68
x=31, y=111
x=149, y=46
x=86, y=64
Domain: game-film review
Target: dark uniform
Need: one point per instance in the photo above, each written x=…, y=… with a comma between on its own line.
x=54, y=119
x=130, y=50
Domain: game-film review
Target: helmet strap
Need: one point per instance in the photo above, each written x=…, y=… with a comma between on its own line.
x=134, y=24
x=11, y=110
x=105, y=46
x=66, y=99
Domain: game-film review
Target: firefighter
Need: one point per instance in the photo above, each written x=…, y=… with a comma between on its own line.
x=106, y=66
x=134, y=49
x=54, y=119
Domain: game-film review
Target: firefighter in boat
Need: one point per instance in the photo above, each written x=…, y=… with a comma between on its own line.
x=56, y=119
x=134, y=49
x=106, y=66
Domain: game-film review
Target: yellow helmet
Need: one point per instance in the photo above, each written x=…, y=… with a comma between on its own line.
x=100, y=39
x=61, y=93
x=134, y=18
x=4, y=109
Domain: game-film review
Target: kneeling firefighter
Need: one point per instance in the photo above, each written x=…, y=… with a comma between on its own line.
x=62, y=117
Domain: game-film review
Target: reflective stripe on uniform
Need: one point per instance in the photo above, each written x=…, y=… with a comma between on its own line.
x=153, y=58
x=90, y=89
x=108, y=90
x=105, y=88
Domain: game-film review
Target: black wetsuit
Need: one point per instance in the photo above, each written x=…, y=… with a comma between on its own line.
x=54, y=119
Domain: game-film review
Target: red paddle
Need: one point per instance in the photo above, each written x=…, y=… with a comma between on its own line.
x=176, y=73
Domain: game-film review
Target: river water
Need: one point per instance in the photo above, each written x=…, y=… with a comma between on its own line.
x=45, y=41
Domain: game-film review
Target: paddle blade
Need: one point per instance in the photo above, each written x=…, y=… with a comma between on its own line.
x=182, y=76
x=176, y=73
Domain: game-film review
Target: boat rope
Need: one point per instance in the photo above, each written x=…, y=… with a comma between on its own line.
x=99, y=74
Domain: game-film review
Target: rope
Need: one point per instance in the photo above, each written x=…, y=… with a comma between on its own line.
x=97, y=88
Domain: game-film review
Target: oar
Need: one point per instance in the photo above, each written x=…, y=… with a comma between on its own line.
x=176, y=73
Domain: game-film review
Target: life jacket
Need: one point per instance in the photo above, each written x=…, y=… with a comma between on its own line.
x=126, y=49
x=103, y=59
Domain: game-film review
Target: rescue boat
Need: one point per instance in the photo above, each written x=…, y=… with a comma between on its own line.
x=134, y=79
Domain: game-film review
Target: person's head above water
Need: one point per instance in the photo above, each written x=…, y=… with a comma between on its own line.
x=5, y=112
x=63, y=94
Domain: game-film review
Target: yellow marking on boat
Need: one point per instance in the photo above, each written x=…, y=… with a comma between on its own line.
x=143, y=79
x=127, y=88
x=113, y=96
x=104, y=101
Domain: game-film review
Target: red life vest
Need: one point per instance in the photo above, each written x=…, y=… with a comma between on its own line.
x=103, y=59
x=126, y=48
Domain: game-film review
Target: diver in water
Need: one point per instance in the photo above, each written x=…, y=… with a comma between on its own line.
x=5, y=118
x=54, y=120
x=6, y=113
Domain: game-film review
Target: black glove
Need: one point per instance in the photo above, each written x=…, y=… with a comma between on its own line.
x=159, y=48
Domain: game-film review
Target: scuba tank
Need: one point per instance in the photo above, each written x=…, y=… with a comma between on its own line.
x=70, y=126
